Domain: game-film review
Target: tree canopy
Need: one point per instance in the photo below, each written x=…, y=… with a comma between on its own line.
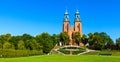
x=64, y=38
x=77, y=37
x=46, y=42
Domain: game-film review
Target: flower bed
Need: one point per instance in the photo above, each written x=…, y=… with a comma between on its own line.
x=75, y=50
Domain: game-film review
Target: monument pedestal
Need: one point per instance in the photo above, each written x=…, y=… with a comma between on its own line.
x=70, y=52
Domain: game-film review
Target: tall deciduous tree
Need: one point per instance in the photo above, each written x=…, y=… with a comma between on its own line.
x=118, y=42
x=64, y=38
x=5, y=38
x=55, y=39
x=109, y=42
x=27, y=40
x=7, y=45
x=77, y=37
x=14, y=40
x=46, y=41
x=84, y=39
x=21, y=45
x=98, y=40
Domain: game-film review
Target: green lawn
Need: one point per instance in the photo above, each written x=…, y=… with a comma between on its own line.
x=61, y=58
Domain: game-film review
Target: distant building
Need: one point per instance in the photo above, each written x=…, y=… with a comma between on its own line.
x=71, y=29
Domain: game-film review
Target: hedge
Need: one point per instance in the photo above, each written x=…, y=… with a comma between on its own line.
x=65, y=51
x=18, y=53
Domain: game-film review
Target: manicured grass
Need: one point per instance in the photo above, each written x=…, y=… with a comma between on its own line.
x=105, y=52
x=61, y=58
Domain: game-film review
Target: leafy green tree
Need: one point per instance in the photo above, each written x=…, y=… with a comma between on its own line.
x=1, y=44
x=33, y=45
x=26, y=37
x=7, y=45
x=90, y=39
x=55, y=39
x=118, y=42
x=64, y=38
x=21, y=45
x=77, y=37
x=46, y=41
x=14, y=40
x=28, y=41
x=98, y=40
x=84, y=39
x=5, y=38
x=109, y=42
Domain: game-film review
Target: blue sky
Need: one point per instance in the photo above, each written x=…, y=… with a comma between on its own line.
x=36, y=16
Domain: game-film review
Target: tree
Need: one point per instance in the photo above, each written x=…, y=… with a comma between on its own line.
x=46, y=41
x=64, y=38
x=21, y=45
x=55, y=39
x=109, y=42
x=90, y=40
x=28, y=41
x=7, y=45
x=77, y=37
x=26, y=37
x=1, y=44
x=98, y=40
x=84, y=39
x=118, y=42
x=5, y=38
x=14, y=40
x=33, y=45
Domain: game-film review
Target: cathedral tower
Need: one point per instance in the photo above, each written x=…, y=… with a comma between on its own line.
x=77, y=23
x=66, y=22
x=71, y=29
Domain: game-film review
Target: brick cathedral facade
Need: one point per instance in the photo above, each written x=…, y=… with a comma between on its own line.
x=71, y=29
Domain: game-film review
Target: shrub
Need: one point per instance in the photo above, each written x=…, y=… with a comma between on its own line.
x=18, y=53
x=75, y=50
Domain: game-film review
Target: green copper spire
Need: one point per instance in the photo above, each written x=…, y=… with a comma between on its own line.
x=77, y=16
x=66, y=18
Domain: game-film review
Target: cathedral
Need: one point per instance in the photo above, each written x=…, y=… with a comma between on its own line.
x=71, y=29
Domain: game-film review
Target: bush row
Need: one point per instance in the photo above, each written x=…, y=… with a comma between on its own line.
x=105, y=52
x=112, y=52
x=18, y=53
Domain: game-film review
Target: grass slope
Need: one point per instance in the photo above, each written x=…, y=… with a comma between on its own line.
x=60, y=58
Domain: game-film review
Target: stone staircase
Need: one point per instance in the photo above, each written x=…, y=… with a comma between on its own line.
x=87, y=51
